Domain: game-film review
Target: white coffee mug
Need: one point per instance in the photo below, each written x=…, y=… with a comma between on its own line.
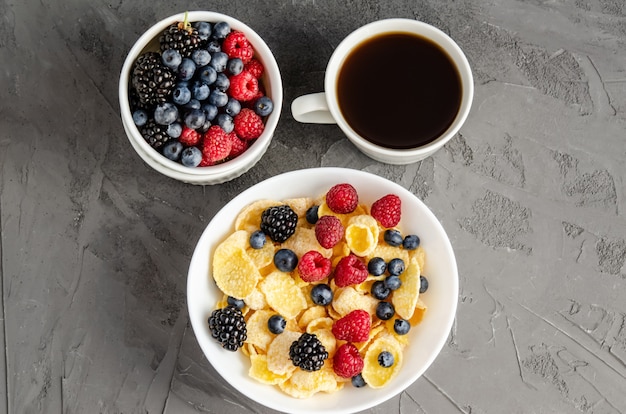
x=323, y=107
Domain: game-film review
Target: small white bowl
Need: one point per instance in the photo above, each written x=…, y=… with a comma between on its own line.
x=226, y=171
x=426, y=339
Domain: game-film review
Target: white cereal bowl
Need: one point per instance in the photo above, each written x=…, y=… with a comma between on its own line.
x=426, y=339
x=226, y=171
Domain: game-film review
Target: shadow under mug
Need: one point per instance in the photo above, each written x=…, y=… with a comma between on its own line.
x=323, y=107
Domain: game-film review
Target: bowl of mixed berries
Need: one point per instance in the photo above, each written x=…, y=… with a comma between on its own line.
x=200, y=97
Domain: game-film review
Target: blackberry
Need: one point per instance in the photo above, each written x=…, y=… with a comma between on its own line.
x=152, y=81
x=181, y=36
x=279, y=223
x=228, y=327
x=154, y=134
x=308, y=353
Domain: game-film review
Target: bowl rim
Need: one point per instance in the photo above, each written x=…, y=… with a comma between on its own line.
x=222, y=224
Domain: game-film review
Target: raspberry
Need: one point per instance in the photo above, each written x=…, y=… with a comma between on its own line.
x=239, y=145
x=189, y=137
x=328, y=231
x=248, y=125
x=350, y=271
x=313, y=267
x=387, y=210
x=347, y=361
x=255, y=67
x=243, y=87
x=216, y=146
x=353, y=327
x=342, y=198
x=236, y=45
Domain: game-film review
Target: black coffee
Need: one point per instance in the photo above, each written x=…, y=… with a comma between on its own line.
x=399, y=90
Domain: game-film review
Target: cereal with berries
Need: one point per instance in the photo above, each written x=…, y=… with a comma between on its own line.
x=333, y=299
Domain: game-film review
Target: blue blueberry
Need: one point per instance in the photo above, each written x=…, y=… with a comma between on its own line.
x=165, y=113
x=401, y=326
x=285, y=260
x=172, y=150
x=379, y=290
x=358, y=381
x=205, y=127
x=186, y=69
x=393, y=237
x=171, y=58
x=321, y=294
x=393, y=282
x=222, y=82
x=221, y=30
x=193, y=104
x=385, y=311
x=218, y=98
x=311, y=214
x=263, y=106
x=234, y=66
x=191, y=157
x=233, y=107
x=385, y=359
x=276, y=324
x=195, y=118
x=174, y=129
x=140, y=117
x=210, y=111
x=238, y=303
x=423, y=284
x=219, y=61
x=395, y=266
x=207, y=74
x=214, y=46
x=411, y=242
x=257, y=239
x=204, y=29
x=181, y=94
x=226, y=122
x=201, y=57
x=200, y=90
x=376, y=266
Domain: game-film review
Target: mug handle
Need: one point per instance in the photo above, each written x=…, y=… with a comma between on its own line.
x=312, y=109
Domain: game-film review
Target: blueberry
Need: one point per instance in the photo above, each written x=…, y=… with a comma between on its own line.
x=186, y=69
x=171, y=58
x=222, y=82
x=200, y=90
x=376, y=266
x=226, y=122
x=204, y=29
x=393, y=282
x=379, y=290
x=385, y=311
x=393, y=237
x=358, y=381
x=322, y=294
x=172, y=150
x=311, y=214
x=395, y=266
x=181, y=94
x=214, y=46
x=207, y=74
x=140, y=117
x=165, y=113
x=205, y=127
x=423, y=284
x=257, y=240
x=233, y=107
x=210, y=111
x=201, y=57
x=385, y=359
x=401, y=326
x=263, y=106
x=234, y=66
x=238, y=303
x=192, y=104
x=174, y=129
x=191, y=157
x=218, y=98
x=218, y=61
x=285, y=260
x=221, y=30
x=195, y=118
x=411, y=242
x=276, y=324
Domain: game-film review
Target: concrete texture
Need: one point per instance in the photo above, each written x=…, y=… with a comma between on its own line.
x=95, y=246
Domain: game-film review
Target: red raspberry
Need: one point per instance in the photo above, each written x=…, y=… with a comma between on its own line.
x=313, y=267
x=387, y=210
x=248, y=125
x=236, y=45
x=239, y=145
x=255, y=67
x=328, y=231
x=353, y=327
x=216, y=146
x=342, y=198
x=189, y=137
x=347, y=361
x=350, y=271
x=243, y=86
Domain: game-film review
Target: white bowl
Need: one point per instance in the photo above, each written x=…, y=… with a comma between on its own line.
x=217, y=173
x=426, y=339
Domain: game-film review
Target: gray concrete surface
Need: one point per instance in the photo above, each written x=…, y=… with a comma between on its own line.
x=95, y=245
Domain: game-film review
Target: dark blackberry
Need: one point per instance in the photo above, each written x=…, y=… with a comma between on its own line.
x=308, y=353
x=152, y=81
x=279, y=222
x=154, y=134
x=181, y=36
x=228, y=327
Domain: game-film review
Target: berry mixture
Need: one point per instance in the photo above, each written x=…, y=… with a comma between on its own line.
x=205, y=77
